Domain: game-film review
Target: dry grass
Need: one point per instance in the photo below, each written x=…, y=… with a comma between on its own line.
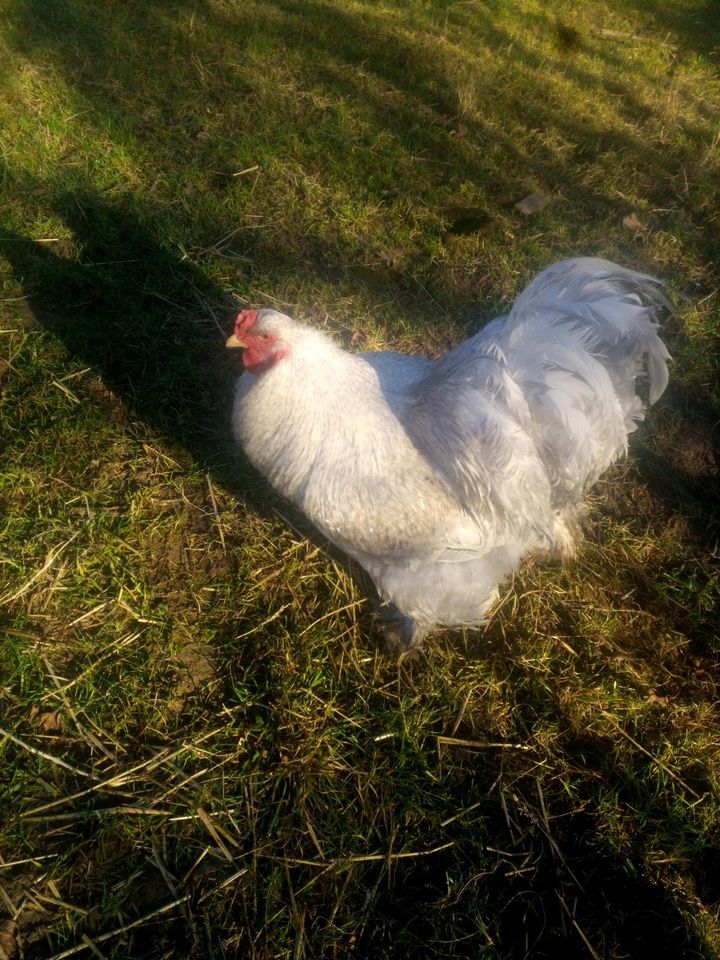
x=204, y=751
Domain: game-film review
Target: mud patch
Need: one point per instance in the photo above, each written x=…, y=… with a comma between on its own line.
x=693, y=448
x=195, y=669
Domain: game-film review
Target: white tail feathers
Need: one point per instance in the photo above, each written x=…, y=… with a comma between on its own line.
x=615, y=311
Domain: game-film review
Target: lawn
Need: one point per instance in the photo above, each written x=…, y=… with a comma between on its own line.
x=205, y=750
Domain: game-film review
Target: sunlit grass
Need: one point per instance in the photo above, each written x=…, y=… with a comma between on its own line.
x=200, y=724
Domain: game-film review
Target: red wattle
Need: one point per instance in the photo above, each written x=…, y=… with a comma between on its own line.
x=258, y=357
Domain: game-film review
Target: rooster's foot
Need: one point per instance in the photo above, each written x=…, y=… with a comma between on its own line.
x=403, y=636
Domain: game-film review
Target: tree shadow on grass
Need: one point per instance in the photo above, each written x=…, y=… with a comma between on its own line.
x=694, y=27
x=619, y=914
x=352, y=78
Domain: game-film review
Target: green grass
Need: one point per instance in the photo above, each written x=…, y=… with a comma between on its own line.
x=245, y=768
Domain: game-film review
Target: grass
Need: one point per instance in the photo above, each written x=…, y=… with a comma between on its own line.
x=205, y=751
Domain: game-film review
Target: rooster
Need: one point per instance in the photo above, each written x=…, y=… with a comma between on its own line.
x=438, y=476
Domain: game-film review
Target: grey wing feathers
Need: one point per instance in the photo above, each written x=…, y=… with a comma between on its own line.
x=471, y=422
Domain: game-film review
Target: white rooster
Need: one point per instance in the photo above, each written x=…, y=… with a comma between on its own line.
x=439, y=476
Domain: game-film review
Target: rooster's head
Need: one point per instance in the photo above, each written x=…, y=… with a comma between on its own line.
x=262, y=347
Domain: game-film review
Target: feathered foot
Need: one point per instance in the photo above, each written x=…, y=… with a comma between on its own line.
x=403, y=636
x=568, y=531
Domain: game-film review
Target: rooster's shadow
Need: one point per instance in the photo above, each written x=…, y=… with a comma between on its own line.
x=148, y=321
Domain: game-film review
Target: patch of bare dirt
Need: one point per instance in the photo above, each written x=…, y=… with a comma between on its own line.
x=195, y=666
x=695, y=450
x=24, y=315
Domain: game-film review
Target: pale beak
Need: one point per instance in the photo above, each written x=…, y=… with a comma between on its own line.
x=234, y=341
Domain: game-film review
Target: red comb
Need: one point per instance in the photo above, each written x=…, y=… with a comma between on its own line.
x=244, y=320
